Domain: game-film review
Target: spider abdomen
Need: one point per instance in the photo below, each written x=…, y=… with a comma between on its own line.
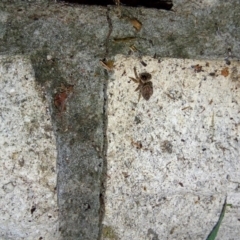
x=147, y=90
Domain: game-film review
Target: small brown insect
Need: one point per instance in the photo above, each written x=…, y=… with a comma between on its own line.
x=145, y=86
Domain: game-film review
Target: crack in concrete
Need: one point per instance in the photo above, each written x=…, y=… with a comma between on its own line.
x=110, y=27
x=104, y=157
x=105, y=120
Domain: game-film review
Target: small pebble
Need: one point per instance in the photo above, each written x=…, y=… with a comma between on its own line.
x=49, y=57
x=12, y=91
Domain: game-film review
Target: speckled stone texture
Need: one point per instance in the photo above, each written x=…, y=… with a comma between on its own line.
x=65, y=43
x=28, y=202
x=172, y=160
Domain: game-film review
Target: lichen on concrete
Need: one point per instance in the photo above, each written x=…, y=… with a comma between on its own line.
x=109, y=233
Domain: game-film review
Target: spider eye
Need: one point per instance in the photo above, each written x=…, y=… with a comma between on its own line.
x=145, y=76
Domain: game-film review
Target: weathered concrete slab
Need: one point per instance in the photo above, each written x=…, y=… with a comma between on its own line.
x=192, y=29
x=28, y=202
x=65, y=43
x=173, y=159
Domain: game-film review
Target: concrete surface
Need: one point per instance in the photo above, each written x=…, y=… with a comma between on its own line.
x=28, y=202
x=64, y=44
x=172, y=160
x=57, y=44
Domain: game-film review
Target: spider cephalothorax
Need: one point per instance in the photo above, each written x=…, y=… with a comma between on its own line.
x=145, y=86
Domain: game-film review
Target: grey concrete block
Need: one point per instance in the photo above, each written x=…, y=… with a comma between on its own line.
x=28, y=202
x=65, y=43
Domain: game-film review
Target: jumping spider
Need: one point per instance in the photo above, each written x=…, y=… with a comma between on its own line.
x=145, y=86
